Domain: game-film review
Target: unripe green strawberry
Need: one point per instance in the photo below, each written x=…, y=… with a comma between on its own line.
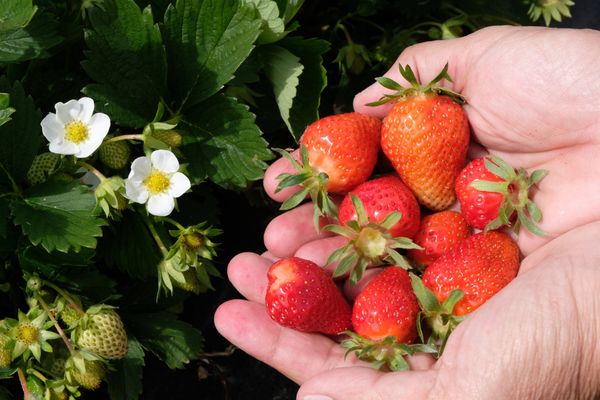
x=5, y=354
x=41, y=167
x=115, y=155
x=103, y=334
x=169, y=137
x=70, y=316
x=191, y=284
x=92, y=377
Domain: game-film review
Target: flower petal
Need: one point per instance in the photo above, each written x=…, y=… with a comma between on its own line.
x=63, y=147
x=51, y=128
x=179, y=184
x=140, y=169
x=161, y=205
x=86, y=109
x=98, y=125
x=135, y=192
x=87, y=147
x=164, y=161
x=67, y=112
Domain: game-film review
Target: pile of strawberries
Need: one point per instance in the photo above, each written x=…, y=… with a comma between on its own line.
x=438, y=264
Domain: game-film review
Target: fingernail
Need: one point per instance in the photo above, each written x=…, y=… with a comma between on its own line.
x=316, y=397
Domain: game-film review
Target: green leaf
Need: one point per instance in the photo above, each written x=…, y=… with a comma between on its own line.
x=489, y=186
x=206, y=41
x=223, y=143
x=21, y=136
x=25, y=34
x=140, y=257
x=174, y=342
x=127, y=60
x=289, y=8
x=5, y=222
x=5, y=110
x=37, y=258
x=283, y=70
x=59, y=216
x=125, y=381
x=273, y=27
x=425, y=296
x=537, y=176
x=305, y=108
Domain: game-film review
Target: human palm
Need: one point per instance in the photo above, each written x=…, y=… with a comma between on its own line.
x=535, y=339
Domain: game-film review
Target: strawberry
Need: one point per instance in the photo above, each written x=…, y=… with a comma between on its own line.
x=438, y=233
x=479, y=266
x=370, y=243
x=491, y=194
x=115, y=155
x=5, y=352
x=338, y=153
x=42, y=166
x=169, y=137
x=380, y=197
x=302, y=296
x=425, y=135
x=384, y=319
x=101, y=332
x=86, y=373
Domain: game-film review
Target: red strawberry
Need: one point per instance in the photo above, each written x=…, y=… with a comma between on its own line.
x=479, y=266
x=384, y=318
x=380, y=197
x=425, y=135
x=302, y=296
x=438, y=233
x=387, y=306
x=491, y=193
x=338, y=153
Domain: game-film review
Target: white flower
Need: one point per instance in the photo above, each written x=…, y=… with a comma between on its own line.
x=157, y=182
x=74, y=129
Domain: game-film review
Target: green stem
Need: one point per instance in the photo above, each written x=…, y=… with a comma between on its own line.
x=23, y=381
x=92, y=169
x=37, y=374
x=157, y=238
x=14, y=185
x=57, y=326
x=66, y=296
x=341, y=27
x=133, y=136
x=174, y=223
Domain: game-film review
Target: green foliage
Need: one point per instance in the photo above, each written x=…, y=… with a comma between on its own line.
x=125, y=381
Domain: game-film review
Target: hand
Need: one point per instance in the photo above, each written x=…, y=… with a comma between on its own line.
x=537, y=337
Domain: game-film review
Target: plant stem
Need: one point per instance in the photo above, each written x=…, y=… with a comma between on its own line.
x=38, y=374
x=174, y=223
x=23, y=381
x=56, y=324
x=133, y=136
x=157, y=238
x=14, y=185
x=92, y=169
x=66, y=296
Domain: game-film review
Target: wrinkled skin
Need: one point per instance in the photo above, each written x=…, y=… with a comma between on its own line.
x=533, y=100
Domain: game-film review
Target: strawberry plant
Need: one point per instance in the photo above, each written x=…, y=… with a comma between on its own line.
x=119, y=120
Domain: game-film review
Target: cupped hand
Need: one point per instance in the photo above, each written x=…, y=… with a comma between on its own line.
x=532, y=101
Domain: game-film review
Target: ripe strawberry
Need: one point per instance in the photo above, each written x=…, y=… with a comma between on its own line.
x=425, y=135
x=42, y=166
x=115, y=155
x=373, y=217
x=387, y=306
x=479, y=266
x=338, y=153
x=302, y=296
x=101, y=332
x=438, y=233
x=491, y=193
x=384, y=318
x=381, y=196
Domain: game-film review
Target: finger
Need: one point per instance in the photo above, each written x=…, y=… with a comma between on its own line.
x=270, y=181
x=287, y=232
x=297, y=355
x=247, y=272
x=360, y=383
x=267, y=254
x=318, y=251
x=353, y=290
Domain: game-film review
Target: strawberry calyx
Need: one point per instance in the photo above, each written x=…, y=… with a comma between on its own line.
x=438, y=316
x=313, y=185
x=387, y=354
x=515, y=187
x=369, y=244
x=401, y=92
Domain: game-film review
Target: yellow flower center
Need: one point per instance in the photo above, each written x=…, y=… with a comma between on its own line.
x=157, y=182
x=28, y=334
x=76, y=132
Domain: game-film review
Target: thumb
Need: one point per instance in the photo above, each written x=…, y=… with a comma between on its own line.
x=365, y=383
x=426, y=61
